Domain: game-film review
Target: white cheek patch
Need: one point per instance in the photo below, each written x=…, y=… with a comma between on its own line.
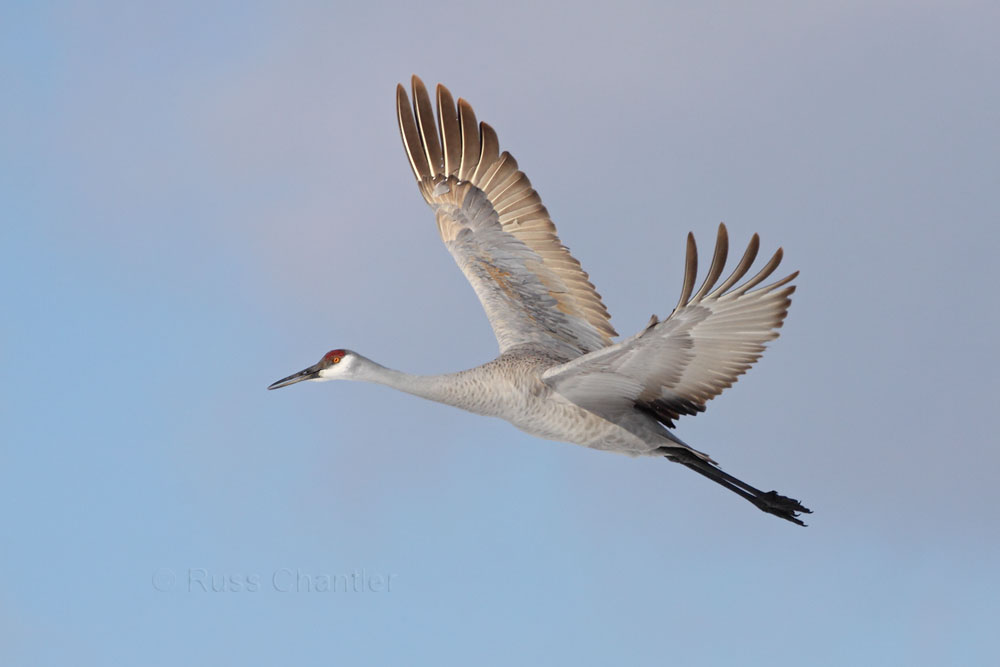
x=326, y=374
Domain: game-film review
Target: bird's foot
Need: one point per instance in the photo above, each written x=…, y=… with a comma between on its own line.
x=787, y=508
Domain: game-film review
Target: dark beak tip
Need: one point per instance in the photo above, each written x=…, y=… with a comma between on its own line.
x=279, y=384
x=307, y=374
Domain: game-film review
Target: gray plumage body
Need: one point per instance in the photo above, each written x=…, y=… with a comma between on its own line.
x=560, y=376
x=511, y=387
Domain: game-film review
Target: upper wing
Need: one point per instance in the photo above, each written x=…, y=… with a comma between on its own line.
x=496, y=228
x=675, y=366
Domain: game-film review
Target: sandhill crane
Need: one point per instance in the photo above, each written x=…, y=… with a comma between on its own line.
x=559, y=375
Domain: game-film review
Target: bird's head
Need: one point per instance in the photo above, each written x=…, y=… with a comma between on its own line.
x=335, y=365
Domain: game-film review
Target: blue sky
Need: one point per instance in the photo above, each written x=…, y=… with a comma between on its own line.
x=201, y=198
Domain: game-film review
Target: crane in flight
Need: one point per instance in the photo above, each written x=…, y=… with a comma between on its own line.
x=559, y=375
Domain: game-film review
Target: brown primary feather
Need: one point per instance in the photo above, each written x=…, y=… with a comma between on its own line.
x=425, y=124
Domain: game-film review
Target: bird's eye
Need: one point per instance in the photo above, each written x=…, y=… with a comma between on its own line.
x=336, y=360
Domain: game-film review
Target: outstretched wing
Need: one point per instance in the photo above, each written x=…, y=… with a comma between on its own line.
x=494, y=225
x=674, y=367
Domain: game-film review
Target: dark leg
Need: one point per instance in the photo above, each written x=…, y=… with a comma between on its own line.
x=770, y=502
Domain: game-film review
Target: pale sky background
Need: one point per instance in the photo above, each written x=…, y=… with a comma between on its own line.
x=201, y=198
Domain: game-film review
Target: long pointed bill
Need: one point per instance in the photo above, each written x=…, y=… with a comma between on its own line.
x=308, y=374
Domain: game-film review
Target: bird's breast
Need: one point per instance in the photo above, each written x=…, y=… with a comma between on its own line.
x=513, y=390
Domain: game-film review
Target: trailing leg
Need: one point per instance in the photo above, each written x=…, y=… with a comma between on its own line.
x=771, y=501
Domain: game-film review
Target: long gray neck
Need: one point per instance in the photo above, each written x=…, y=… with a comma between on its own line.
x=457, y=389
